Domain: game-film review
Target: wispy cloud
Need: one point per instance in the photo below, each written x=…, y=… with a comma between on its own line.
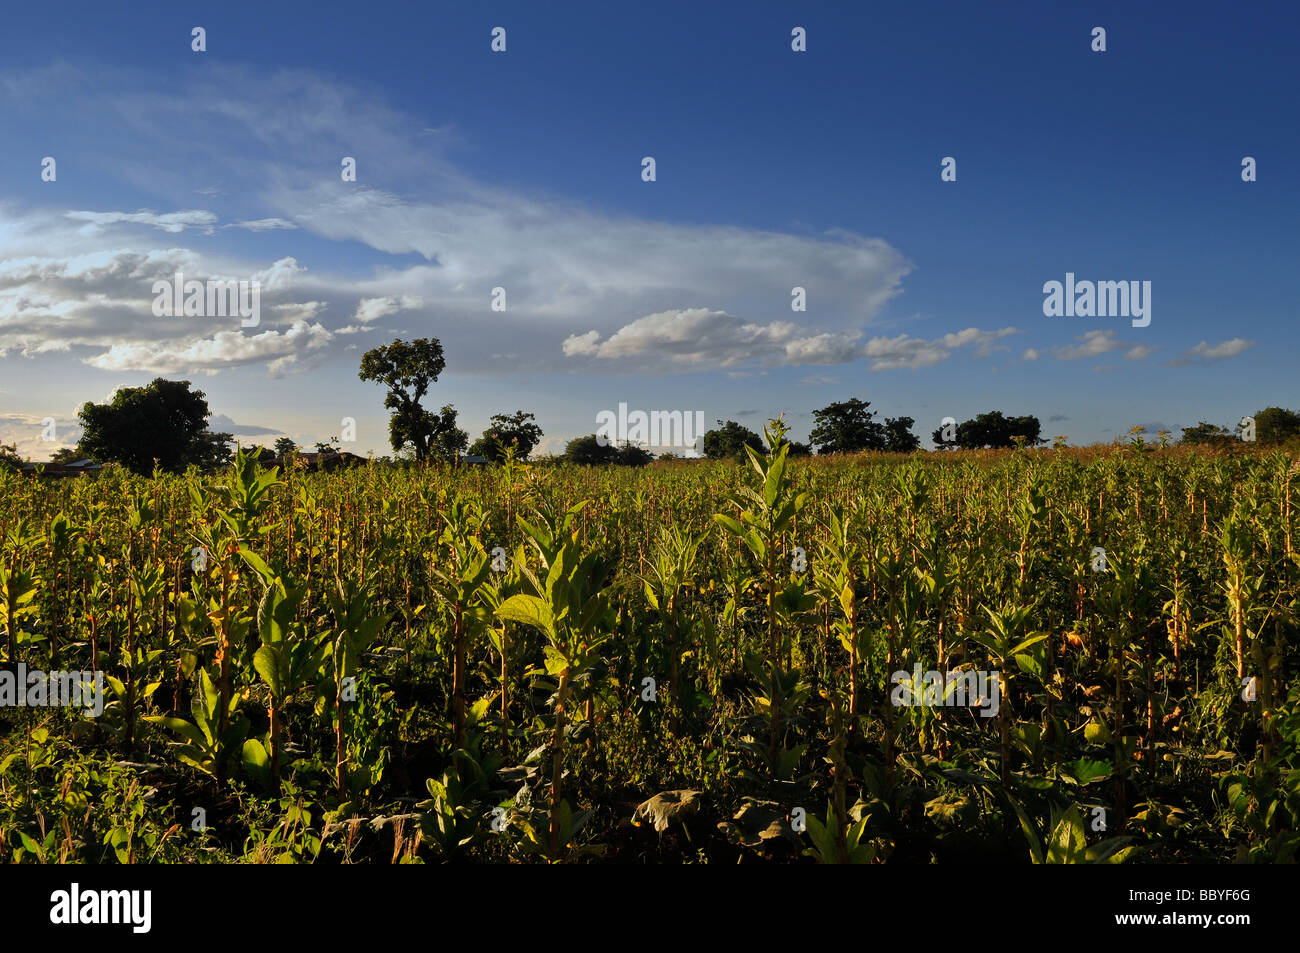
x=173, y=222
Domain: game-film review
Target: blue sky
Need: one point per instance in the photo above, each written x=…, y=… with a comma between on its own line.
x=775, y=169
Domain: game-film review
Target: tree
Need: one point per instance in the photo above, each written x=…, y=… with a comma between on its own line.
x=164, y=421
x=407, y=369
x=992, y=429
x=65, y=455
x=1205, y=434
x=9, y=459
x=632, y=455
x=518, y=428
x=284, y=447
x=211, y=451
x=1276, y=425
x=588, y=451
x=798, y=449
x=445, y=438
x=899, y=437
x=729, y=440
x=846, y=427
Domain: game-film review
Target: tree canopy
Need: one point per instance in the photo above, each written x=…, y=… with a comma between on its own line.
x=729, y=440
x=589, y=450
x=847, y=426
x=1207, y=434
x=407, y=368
x=163, y=421
x=9, y=458
x=992, y=429
x=898, y=435
x=1276, y=425
x=518, y=429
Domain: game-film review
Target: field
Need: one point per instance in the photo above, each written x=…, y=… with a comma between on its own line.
x=694, y=662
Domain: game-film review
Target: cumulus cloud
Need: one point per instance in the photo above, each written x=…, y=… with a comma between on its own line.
x=577, y=277
x=904, y=352
x=1091, y=344
x=299, y=310
x=224, y=349
x=695, y=338
x=372, y=309
x=982, y=341
x=1205, y=353
x=699, y=337
x=281, y=276
x=27, y=432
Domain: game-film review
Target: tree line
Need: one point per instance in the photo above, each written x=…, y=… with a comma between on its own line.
x=163, y=425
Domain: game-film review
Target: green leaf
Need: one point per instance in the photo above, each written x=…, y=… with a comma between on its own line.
x=1085, y=770
x=1068, y=845
x=257, y=564
x=272, y=663
x=775, y=474
x=528, y=610
x=179, y=725
x=732, y=526
x=1021, y=646
x=255, y=754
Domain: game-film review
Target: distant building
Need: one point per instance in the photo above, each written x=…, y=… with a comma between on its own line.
x=311, y=462
x=57, y=471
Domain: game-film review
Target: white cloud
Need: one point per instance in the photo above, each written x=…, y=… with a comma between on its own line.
x=691, y=338
x=26, y=432
x=224, y=349
x=372, y=309
x=1092, y=344
x=281, y=276
x=300, y=310
x=168, y=221
x=1205, y=352
x=577, y=269
x=262, y=225
x=981, y=340
x=1139, y=352
x=587, y=344
x=904, y=352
